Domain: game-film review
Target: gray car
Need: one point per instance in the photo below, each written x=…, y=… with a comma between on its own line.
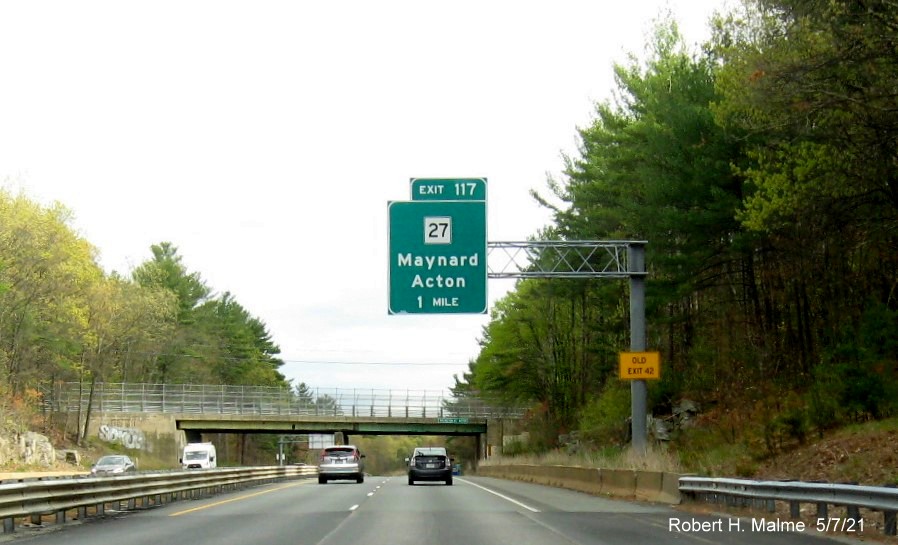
x=343, y=462
x=116, y=464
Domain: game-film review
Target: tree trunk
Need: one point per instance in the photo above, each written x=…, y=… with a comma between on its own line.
x=90, y=402
x=80, y=400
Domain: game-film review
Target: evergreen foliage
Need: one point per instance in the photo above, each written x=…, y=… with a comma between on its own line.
x=762, y=172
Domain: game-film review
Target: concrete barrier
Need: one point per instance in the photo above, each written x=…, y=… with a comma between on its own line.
x=648, y=485
x=583, y=479
x=619, y=482
x=670, y=489
x=652, y=486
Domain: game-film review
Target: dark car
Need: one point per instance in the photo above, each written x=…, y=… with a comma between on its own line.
x=117, y=464
x=430, y=464
x=341, y=462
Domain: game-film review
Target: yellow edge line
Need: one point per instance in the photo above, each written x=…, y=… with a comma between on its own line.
x=200, y=508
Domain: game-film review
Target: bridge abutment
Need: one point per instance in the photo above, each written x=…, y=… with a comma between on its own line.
x=153, y=434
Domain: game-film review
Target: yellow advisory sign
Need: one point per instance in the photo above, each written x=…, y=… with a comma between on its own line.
x=640, y=365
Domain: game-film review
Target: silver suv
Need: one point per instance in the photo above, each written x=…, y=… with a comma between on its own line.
x=341, y=462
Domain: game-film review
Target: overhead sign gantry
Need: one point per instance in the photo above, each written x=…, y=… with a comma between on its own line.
x=439, y=264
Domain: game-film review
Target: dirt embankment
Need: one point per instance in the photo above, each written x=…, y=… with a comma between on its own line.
x=859, y=454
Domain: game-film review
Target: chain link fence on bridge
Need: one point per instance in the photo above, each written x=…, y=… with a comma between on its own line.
x=262, y=400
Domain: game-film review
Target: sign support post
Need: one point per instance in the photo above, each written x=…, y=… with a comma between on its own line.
x=638, y=388
x=596, y=259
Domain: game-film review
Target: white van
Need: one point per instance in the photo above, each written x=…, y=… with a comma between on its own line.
x=198, y=456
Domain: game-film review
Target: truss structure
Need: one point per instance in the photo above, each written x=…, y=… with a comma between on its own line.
x=561, y=259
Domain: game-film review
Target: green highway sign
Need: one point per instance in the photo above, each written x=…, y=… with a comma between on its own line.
x=448, y=189
x=437, y=257
x=452, y=420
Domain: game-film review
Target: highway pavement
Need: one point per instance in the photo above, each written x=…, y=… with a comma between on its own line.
x=386, y=511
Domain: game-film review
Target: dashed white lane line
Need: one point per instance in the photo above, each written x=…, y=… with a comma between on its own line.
x=503, y=496
x=356, y=506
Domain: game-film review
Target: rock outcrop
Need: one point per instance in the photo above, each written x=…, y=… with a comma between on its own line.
x=28, y=448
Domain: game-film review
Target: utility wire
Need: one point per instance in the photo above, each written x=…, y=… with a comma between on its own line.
x=309, y=362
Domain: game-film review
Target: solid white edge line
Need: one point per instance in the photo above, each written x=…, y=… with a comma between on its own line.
x=503, y=496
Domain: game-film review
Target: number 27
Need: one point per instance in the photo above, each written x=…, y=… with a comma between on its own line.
x=437, y=229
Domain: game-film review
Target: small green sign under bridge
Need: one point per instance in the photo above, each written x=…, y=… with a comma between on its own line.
x=452, y=420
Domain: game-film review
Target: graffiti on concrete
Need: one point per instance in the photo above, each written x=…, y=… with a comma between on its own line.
x=128, y=437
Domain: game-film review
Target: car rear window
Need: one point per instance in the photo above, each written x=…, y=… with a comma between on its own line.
x=430, y=452
x=339, y=451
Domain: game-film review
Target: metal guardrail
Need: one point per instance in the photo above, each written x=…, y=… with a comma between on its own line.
x=260, y=400
x=60, y=496
x=765, y=494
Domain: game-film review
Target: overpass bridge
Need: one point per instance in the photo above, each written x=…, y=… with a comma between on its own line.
x=134, y=411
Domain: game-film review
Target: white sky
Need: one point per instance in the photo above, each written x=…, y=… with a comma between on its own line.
x=264, y=139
